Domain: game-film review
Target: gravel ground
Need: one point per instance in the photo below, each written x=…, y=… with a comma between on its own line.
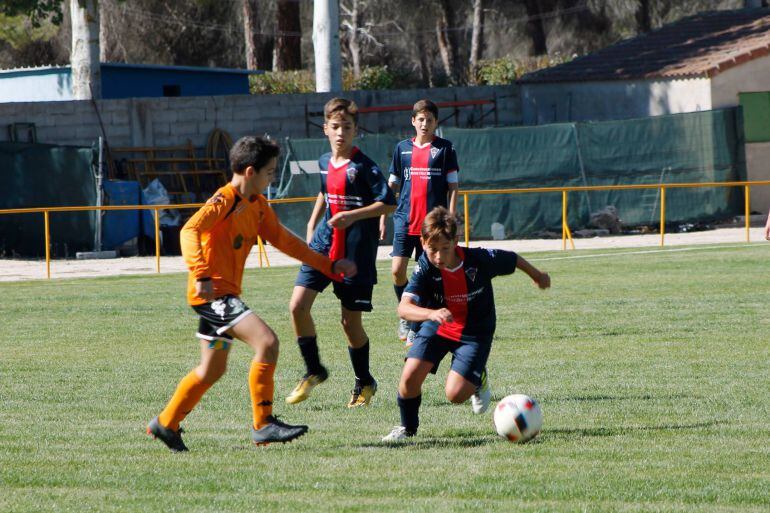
x=21, y=270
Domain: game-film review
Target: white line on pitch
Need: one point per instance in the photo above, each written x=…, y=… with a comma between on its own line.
x=597, y=255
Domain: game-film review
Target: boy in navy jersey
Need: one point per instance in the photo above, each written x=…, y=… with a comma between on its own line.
x=450, y=291
x=424, y=173
x=353, y=196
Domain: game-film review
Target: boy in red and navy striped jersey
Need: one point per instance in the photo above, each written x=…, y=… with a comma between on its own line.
x=450, y=292
x=353, y=196
x=424, y=172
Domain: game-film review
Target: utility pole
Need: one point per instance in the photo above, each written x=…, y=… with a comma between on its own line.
x=326, y=44
x=84, y=54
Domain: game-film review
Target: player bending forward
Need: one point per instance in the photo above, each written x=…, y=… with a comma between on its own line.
x=450, y=292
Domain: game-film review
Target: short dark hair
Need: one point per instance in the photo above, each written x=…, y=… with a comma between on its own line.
x=337, y=106
x=439, y=222
x=252, y=151
x=423, y=105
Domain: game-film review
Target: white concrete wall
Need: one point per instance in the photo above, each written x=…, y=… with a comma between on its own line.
x=621, y=99
x=752, y=76
x=172, y=121
x=749, y=77
x=758, y=168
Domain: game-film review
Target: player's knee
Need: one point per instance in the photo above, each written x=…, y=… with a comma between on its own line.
x=298, y=309
x=455, y=394
x=409, y=385
x=349, y=325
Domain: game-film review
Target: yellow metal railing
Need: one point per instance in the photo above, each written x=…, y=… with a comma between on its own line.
x=566, y=233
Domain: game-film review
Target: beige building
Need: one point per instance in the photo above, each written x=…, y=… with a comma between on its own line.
x=702, y=62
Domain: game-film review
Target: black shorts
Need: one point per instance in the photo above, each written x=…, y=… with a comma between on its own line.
x=217, y=317
x=357, y=298
x=404, y=245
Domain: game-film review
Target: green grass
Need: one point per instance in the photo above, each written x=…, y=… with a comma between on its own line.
x=651, y=369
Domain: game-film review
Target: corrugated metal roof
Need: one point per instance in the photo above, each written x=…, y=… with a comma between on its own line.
x=698, y=46
x=198, y=69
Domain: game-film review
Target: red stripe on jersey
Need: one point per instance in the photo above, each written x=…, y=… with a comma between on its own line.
x=336, y=184
x=456, y=300
x=418, y=196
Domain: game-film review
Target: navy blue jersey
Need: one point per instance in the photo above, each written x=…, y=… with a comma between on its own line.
x=466, y=291
x=423, y=174
x=355, y=183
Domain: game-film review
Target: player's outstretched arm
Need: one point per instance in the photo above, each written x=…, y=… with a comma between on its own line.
x=540, y=278
x=411, y=311
x=342, y=220
x=287, y=242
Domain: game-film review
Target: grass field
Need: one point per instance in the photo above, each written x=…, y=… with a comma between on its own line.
x=652, y=369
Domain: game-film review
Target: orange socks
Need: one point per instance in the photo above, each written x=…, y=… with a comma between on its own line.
x=261, y=387
x=188, y=393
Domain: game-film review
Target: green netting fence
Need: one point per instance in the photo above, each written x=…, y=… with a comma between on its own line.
x=695, y=147
x=41, y=175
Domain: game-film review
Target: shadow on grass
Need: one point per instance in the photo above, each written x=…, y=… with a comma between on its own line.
x=623, y=430
x=643, y=397
x=431, y=443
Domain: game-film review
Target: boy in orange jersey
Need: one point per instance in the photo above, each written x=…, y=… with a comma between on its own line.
x=353, y=196
x=215, y=244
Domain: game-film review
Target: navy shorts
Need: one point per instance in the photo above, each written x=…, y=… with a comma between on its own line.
x=404, y=245
x=468, y=358
x=357, y=298
x=217, y=317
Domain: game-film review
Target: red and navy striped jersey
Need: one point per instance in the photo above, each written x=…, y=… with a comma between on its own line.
x=423, y=174
x=354, y=183
x=465, y=290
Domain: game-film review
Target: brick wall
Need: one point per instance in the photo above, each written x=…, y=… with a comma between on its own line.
x=172, y=121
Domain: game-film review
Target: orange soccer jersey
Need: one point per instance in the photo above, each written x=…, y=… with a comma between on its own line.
x=218, y=238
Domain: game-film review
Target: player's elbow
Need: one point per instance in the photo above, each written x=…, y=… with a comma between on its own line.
x=404, y=310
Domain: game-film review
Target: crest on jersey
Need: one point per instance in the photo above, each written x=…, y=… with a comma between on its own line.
x=433, y=152
x=351, y=172
x=471, y=273
x=216, y=198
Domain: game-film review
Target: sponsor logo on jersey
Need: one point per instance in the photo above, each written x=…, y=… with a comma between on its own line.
x=216, y=198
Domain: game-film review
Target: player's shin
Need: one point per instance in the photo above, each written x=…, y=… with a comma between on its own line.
x=188, y=393
x=261, y=389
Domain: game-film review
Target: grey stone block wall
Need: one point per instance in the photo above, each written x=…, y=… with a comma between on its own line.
x=174, y=121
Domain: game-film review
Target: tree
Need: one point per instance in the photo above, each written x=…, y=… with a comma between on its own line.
x=477, y=37
x=535, y=29
x=446, y=36
x=259, y=47
x=643, y=18
x=358, y=35
x=288, y=52
x=36, y=10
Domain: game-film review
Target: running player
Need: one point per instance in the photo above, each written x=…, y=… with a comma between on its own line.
x=215, y=243
x=353, y=196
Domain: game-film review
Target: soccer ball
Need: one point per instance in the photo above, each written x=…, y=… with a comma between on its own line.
x=518, y=418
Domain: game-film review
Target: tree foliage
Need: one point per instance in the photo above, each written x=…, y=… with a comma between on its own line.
x=35, y=10
x=424, y=43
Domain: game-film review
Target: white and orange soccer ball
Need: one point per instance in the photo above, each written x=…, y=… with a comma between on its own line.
x=518, y=418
